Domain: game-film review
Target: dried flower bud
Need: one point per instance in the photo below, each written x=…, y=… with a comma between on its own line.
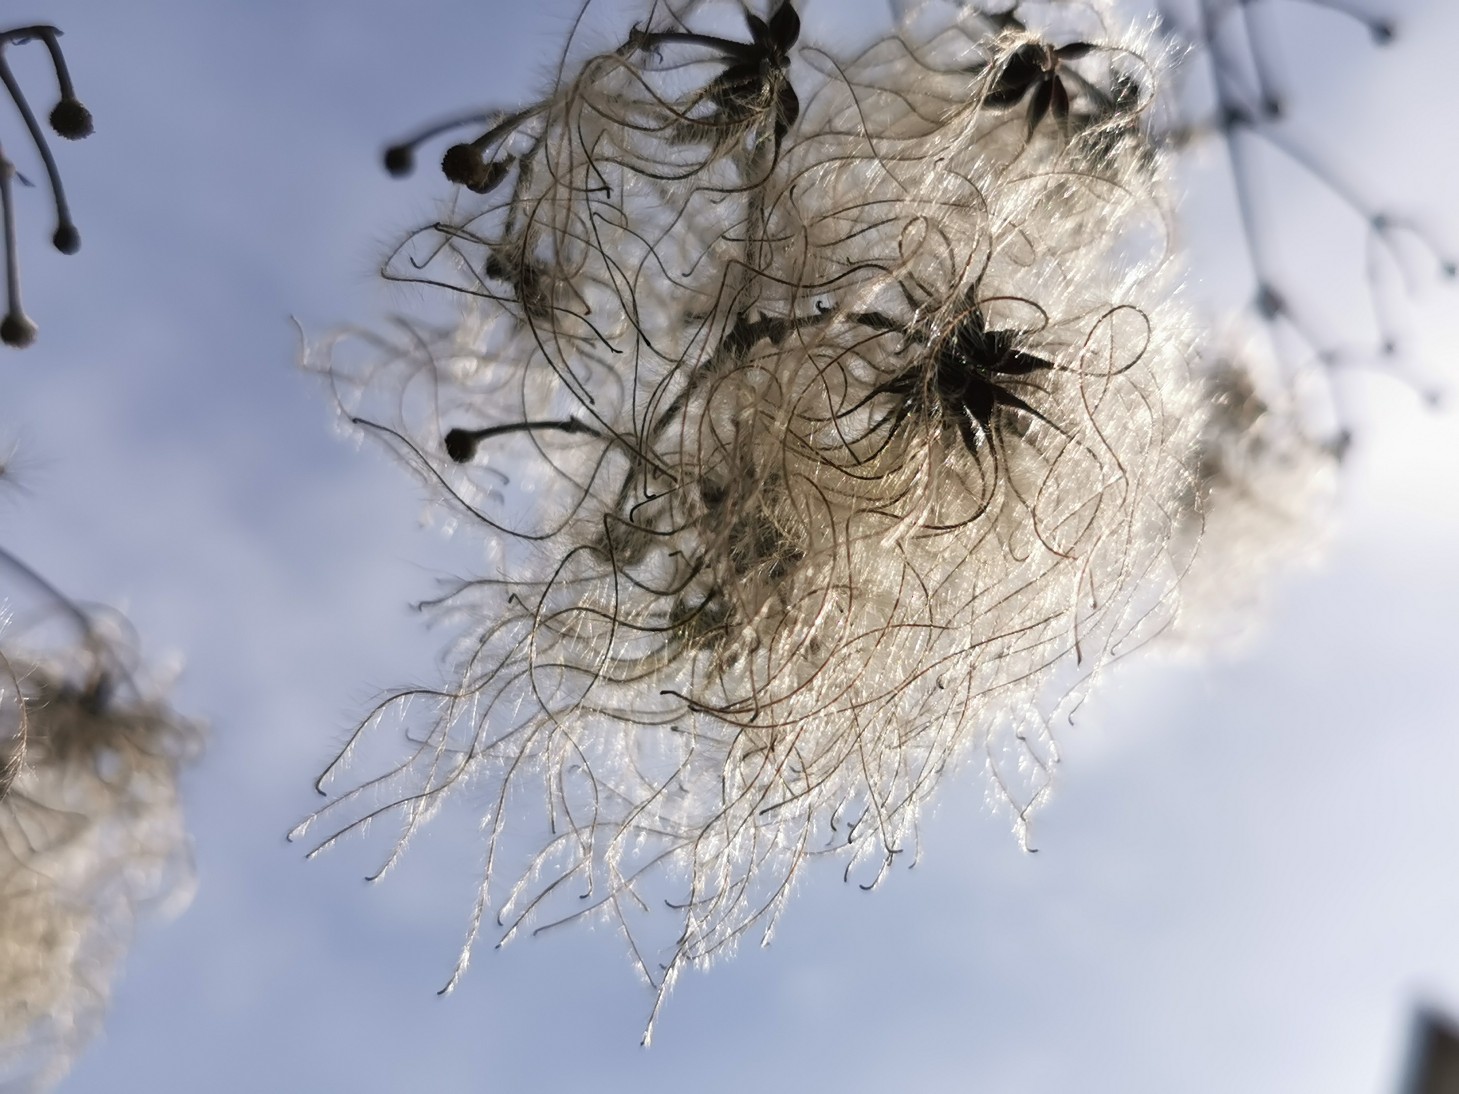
x=71, y=119
x=17, y=330
x=67, y=239
x=399, y=160
x=463, y=164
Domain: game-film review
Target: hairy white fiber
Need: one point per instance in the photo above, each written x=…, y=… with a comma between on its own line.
x=832, y=421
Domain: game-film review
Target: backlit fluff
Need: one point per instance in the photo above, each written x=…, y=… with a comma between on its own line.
x=91, y=834
x=813, y=458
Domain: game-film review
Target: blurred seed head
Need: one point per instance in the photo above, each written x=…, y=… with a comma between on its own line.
x=91, y=831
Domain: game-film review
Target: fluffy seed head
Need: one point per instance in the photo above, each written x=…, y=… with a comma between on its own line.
x=828, y=428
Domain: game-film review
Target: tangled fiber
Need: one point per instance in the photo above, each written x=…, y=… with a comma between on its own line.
x=91, y=830
x=829, y=419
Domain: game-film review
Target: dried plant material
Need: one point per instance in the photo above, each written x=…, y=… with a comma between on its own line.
x=828, y=421
x=70, y=120
x=91, y=831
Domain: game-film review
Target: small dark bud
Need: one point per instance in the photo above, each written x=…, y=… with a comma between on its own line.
x=1383, y=33
x=461, y=445
x=1451, y=271
x=399, y=160
x=17, y=331
x=1272, y=107
x=67, y=239
x=462, y=164
x=71, y=119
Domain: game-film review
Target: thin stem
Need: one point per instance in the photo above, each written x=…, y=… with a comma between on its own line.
x=66, y=238
x=16, y=329
x=461, y=443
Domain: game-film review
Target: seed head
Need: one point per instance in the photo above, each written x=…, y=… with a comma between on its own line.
x=71, y=119
x=89, y=763
x=17, y=330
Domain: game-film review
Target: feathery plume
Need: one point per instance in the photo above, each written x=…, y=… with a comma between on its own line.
x=829, y=421
x=91, y=831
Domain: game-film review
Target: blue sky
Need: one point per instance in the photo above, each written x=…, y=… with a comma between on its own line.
x=1244, y=879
